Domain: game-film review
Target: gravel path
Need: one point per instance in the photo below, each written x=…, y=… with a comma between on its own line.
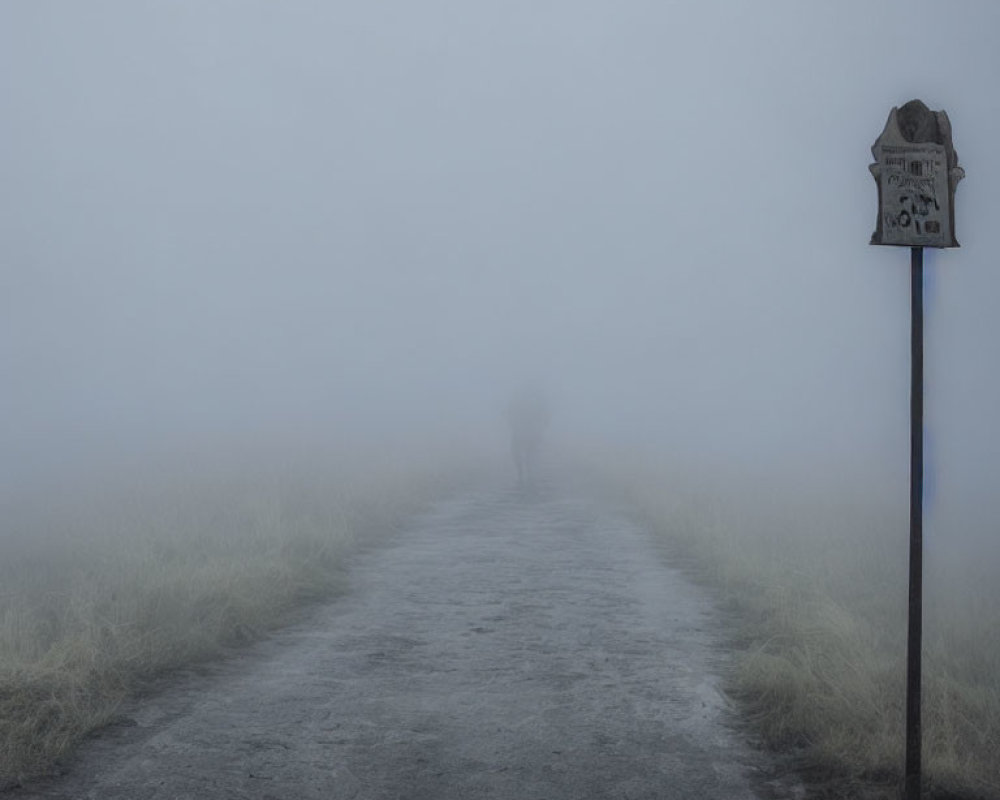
x=505, y=646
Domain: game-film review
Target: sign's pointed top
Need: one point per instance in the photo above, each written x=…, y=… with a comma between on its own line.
x=918, y=124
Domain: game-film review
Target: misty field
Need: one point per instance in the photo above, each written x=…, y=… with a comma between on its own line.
x=815, y=578
x=107, y=583
x=113, y=581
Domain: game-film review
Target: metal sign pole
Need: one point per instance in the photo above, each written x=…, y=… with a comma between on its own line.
x=915, y=625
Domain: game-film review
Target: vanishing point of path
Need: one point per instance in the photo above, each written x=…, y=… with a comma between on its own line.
x=509, y=646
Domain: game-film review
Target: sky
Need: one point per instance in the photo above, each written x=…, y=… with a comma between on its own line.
x=250, y=218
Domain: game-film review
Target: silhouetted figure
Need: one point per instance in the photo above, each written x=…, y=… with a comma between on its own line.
x=528, y=416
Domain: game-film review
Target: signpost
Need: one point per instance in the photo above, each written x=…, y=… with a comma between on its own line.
x=916, y=171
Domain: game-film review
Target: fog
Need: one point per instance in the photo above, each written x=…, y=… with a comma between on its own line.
x=314, y=220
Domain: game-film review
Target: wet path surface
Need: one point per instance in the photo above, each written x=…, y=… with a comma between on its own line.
x=502, y=647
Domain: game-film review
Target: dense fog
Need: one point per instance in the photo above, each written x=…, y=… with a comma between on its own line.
x=238, y=220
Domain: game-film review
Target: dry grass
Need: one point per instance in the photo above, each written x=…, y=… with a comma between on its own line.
x=816, y=579
x=105, y=585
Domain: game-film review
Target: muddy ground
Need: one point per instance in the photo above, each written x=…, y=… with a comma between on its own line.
x=528, y=645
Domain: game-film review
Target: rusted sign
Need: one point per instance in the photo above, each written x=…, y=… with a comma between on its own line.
x=916, y=171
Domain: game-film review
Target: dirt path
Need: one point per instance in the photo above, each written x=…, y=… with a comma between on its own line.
x=504, y=647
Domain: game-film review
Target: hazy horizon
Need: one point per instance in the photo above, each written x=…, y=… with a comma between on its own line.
x=252, y=220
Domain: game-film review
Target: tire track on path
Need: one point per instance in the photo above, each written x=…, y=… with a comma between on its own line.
x=504, y=646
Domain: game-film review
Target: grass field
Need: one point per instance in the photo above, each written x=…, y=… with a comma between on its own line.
x=110, y=581
x=816, y=579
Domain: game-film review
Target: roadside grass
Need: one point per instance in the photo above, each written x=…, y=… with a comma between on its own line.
x=106, y=585
x=816, y=579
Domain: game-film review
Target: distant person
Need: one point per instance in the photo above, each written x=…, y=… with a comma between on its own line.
x=528, y=417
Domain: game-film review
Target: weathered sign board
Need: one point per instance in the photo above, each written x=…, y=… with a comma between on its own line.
x=916, y=171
